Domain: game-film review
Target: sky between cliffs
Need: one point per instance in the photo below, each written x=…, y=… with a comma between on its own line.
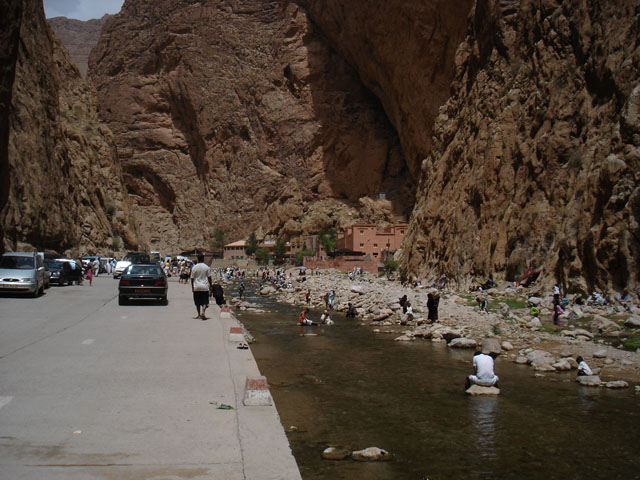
x=81, y=9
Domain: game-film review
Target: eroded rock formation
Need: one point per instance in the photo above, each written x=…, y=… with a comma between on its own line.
x=536, y=156
x=79, y=37
x=239, y=115
x=63, y=189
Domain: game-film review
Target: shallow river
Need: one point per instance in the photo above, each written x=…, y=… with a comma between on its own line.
x=345, y=385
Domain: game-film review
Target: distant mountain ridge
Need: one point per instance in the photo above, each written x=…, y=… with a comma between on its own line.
x=79, y=37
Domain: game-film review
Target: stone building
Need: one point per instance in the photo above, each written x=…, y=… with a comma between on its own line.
x=372, y=240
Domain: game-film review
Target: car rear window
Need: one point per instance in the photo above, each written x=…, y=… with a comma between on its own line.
x=53, y=264
x=14, y=262
x=144, y=270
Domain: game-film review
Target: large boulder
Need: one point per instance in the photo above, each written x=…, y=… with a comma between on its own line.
x=589, y=380
x=475, y=390
x=616, y=384
x=491, y=345
x=534, y=301
x=463, y=343
x=267, y=290
x=371, y=454
x=633, y=321
x=540, y=357
x=604, y=325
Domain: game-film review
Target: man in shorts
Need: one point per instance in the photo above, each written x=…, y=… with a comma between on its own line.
x=201, y=286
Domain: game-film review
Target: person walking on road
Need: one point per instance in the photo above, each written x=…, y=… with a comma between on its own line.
x=201, y=286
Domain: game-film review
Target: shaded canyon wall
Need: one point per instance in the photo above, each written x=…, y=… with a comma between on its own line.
x=536, y=155
x=64, y=189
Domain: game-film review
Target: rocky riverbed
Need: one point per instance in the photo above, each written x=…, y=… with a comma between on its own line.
x=595, y=333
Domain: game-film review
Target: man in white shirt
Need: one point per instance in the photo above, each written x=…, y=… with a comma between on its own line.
x=201, y=286
x=484, y=375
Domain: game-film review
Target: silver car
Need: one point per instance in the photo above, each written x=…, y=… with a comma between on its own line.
x=22, y=272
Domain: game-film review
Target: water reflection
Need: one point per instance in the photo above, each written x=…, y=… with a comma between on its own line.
x=348, y=386
x=483, y=412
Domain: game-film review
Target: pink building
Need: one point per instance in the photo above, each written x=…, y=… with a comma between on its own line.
x=372, y=241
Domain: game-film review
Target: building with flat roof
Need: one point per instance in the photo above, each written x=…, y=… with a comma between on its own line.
x=372, y=240
x=235, y=251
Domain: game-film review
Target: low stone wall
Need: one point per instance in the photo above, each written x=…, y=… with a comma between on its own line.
x=344, y=264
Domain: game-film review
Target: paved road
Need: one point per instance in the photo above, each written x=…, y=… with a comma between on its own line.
x=90, y=389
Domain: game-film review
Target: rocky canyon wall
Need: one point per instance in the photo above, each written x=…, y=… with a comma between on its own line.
x=536, y=155
x=240, y=115
x=63, y=189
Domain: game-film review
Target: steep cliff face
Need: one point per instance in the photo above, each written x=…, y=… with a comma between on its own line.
x=403, y=52
x=239, y=115
x=536, y=158
x=65, y=189
x=79, y=37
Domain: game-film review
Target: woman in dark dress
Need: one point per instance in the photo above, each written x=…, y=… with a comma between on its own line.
x=433, y=299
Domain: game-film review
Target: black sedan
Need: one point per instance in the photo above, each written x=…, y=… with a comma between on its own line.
x=143, y=281
x=60, y=273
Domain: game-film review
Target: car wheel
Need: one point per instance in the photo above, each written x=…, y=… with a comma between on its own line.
x=164, y=300
x=122, y=300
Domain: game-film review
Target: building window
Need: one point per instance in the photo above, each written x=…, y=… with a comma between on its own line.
x=361, y=245
x=375, y=245
x=361, y=232
x=375, y=254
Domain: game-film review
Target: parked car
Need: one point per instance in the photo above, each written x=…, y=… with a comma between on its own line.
x=130, y=259
x=22, y=272
x=61, y=272
x=146, y=281
x=77, y=273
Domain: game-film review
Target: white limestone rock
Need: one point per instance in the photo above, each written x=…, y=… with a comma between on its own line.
x=616, y=384
x=589, y=380
x=475, y=390
x=371, y=454
x=463, y=343
x=335, y=453
x=633, y=321
x=507, y=346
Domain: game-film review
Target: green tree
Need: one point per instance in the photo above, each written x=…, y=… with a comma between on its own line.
x=219, y=239
x=280, y=248
x=390, y=266
x=251, y=246
x=299, y=257
x=263, y=255
x=328, y=239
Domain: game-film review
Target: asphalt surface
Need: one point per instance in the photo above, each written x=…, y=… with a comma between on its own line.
x=90, y=389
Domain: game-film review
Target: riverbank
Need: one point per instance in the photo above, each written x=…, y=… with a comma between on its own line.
x=593, y=332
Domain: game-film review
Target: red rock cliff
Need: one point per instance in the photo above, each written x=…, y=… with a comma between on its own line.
x=239, y=115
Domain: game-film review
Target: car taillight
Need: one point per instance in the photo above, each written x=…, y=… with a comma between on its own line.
x=125, y=282
x=159, y=283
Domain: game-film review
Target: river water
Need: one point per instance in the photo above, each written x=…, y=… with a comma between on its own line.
x=345, y=385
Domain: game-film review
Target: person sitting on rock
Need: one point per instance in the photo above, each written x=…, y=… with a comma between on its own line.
x=409, y=312
x=484, y=376
x=583, y=368
x=303, y=320
x=351, y=311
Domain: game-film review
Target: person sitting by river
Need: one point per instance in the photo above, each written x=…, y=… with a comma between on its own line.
x=351, y=311
x=303, y=320
x=583, y=368
x=484, y=376
x=326, y=318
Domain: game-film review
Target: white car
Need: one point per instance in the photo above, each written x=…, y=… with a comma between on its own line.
x=135, y=257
